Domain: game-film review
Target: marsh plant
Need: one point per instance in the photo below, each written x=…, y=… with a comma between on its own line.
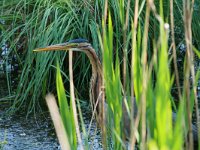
x=137, y=43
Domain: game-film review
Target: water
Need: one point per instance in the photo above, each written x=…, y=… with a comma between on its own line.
x=35, y=132
x=32, y=133
x=18, y=132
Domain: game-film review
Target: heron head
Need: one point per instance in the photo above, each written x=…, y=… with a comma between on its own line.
x=76, y=44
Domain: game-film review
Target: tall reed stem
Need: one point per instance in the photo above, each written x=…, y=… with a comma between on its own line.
x=144, y=75
x=134, y=33
x=189, y=63
x=73, y=100
x=103, y=128
x=174, y=48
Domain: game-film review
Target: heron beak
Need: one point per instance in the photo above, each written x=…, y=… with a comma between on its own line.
x=62, y=46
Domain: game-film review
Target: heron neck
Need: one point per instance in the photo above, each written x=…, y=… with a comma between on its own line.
x=96, y=80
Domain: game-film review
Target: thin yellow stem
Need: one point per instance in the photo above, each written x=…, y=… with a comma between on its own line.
x=133, y=131
x=73, y=100
x=144, y=72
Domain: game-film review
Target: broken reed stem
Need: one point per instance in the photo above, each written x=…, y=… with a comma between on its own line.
x=73, y=100
x=57, y=121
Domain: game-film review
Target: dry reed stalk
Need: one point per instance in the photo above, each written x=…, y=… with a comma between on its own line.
x=57, y=121
x=144, y=72
x=103, y=128
x=73, y=100
x=187, y=13
x=174, y=48
x=133, y=131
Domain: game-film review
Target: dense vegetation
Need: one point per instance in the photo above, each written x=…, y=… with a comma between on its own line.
x=137, y=42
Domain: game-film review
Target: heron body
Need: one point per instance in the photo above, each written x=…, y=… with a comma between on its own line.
x=96, y=81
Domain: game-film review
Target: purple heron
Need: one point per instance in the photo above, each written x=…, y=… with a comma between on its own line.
x=83, y=46
x=96, y=81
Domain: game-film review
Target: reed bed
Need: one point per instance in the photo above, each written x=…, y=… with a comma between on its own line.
x=137, y=43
